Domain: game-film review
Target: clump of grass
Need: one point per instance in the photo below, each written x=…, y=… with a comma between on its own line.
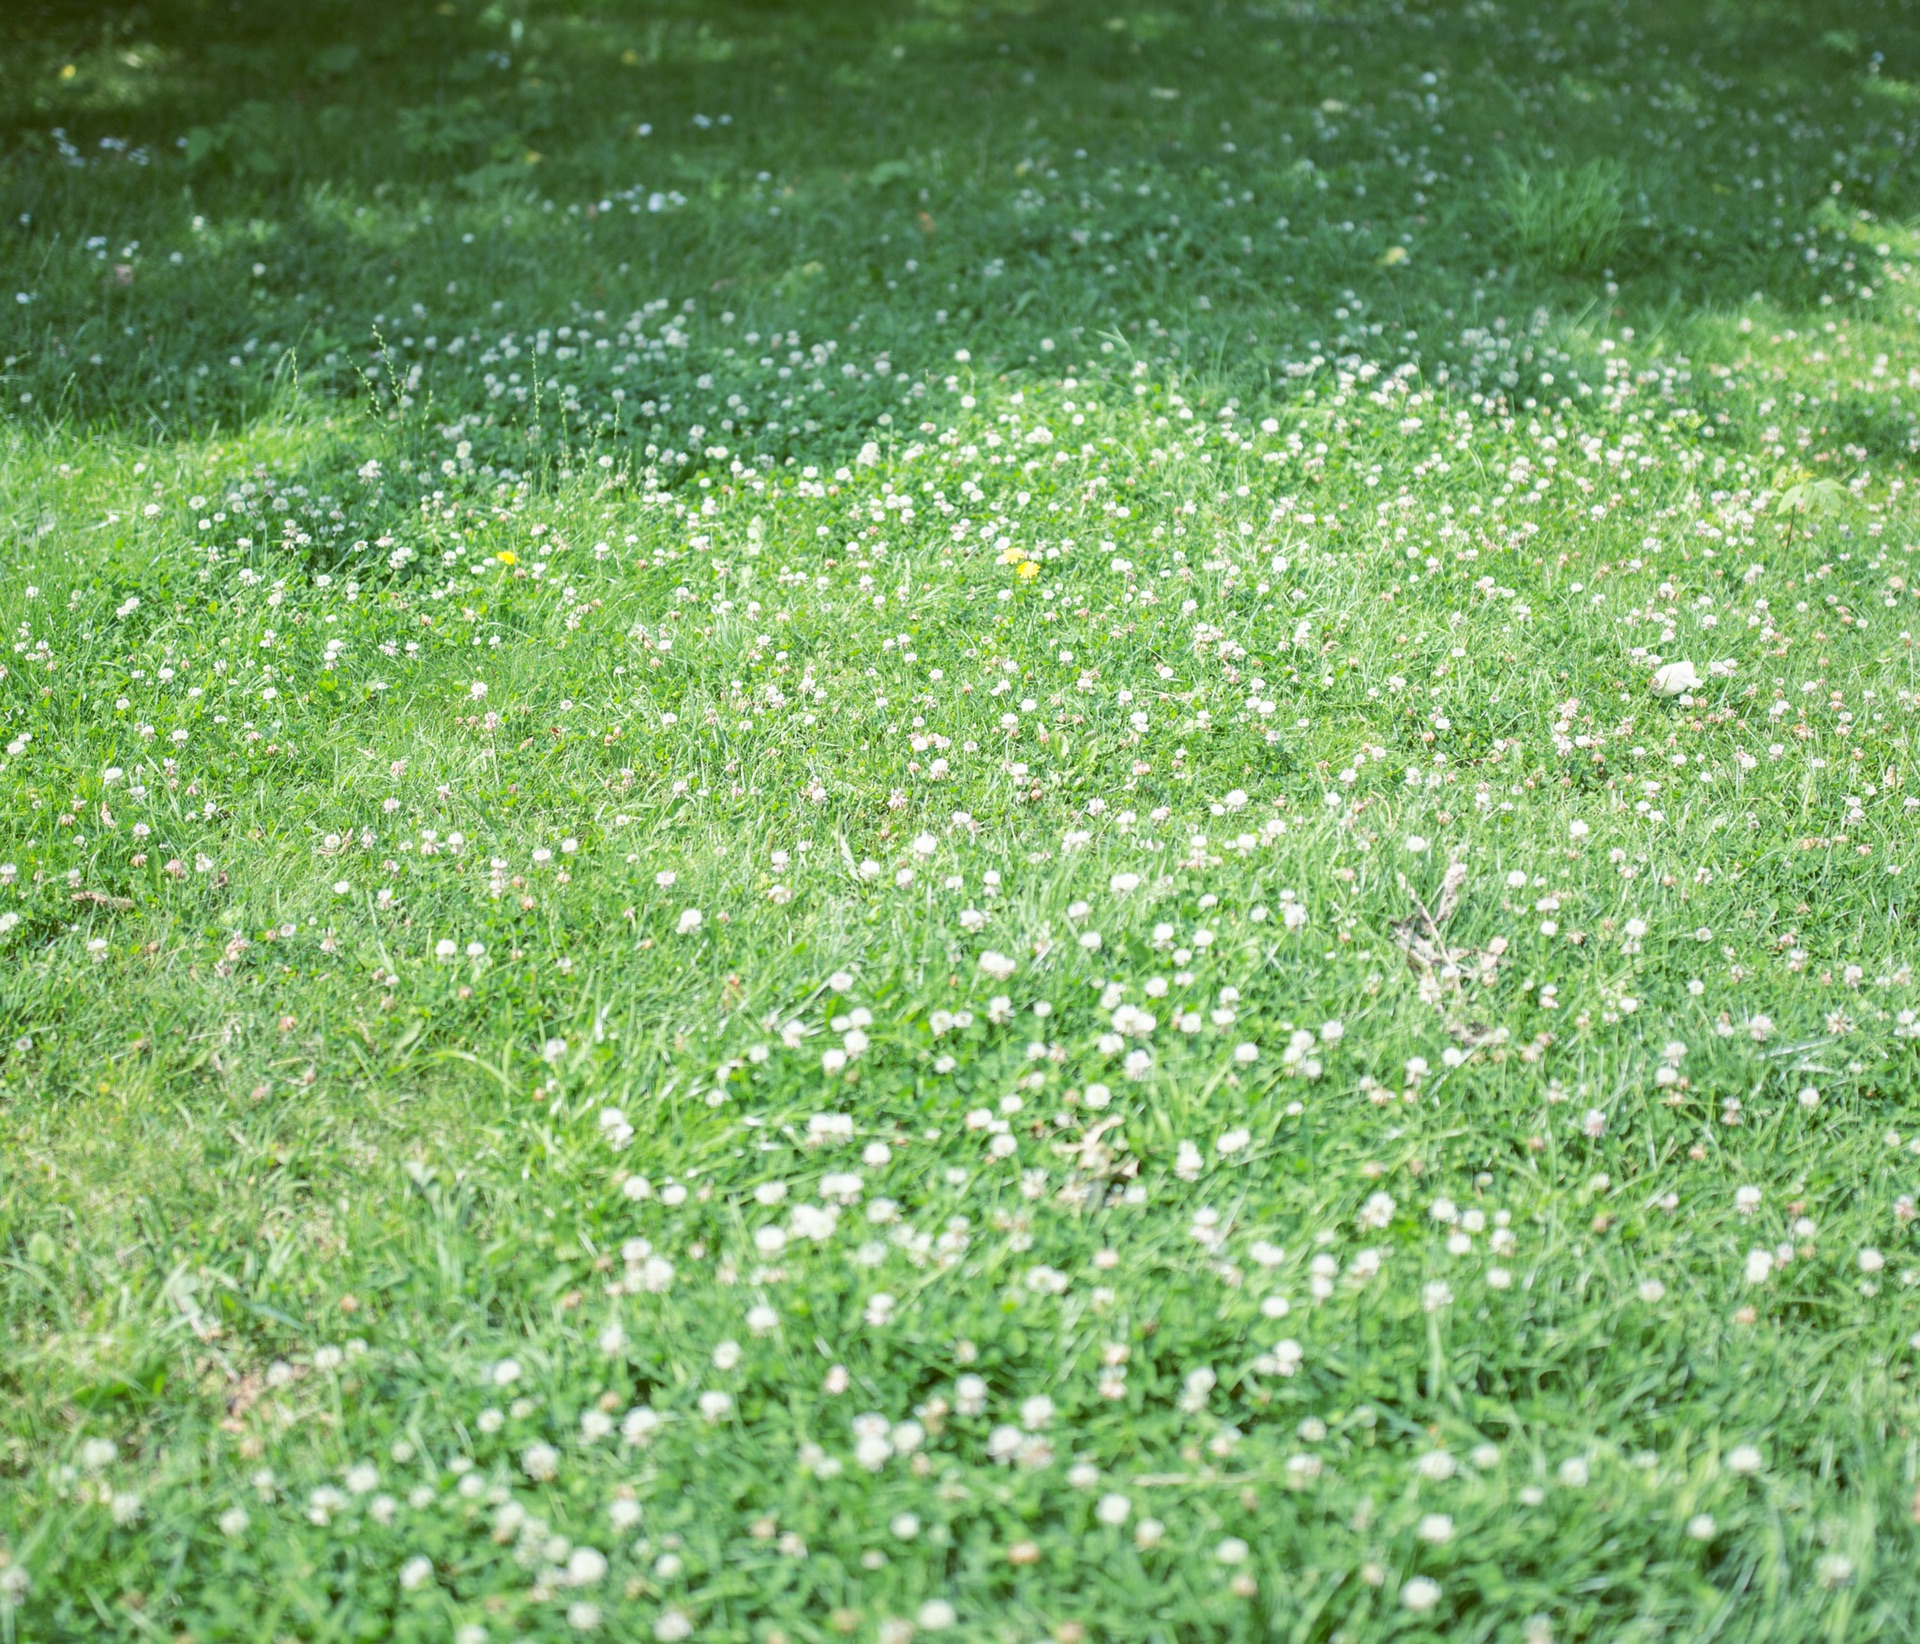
x=1568, y=217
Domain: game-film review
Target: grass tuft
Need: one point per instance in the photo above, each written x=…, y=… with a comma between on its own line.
x=1570, y=218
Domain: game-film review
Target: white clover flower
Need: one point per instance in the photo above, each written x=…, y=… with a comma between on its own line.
x=1420, y=1594
x=815, y=1222
x=1036, y=1412
x=1303, y=1469
x=585, y=1567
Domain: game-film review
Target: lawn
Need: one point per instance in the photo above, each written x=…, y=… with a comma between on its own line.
x=1003, y=822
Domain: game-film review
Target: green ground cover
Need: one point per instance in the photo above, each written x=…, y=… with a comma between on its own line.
x=1006, y=822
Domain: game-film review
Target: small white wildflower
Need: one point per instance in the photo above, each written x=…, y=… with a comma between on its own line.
x=1420, y=1594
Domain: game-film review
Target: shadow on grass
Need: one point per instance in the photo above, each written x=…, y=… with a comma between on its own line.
x=195, y=193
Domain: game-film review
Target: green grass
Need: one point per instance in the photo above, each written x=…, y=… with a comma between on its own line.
x=852, y=822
